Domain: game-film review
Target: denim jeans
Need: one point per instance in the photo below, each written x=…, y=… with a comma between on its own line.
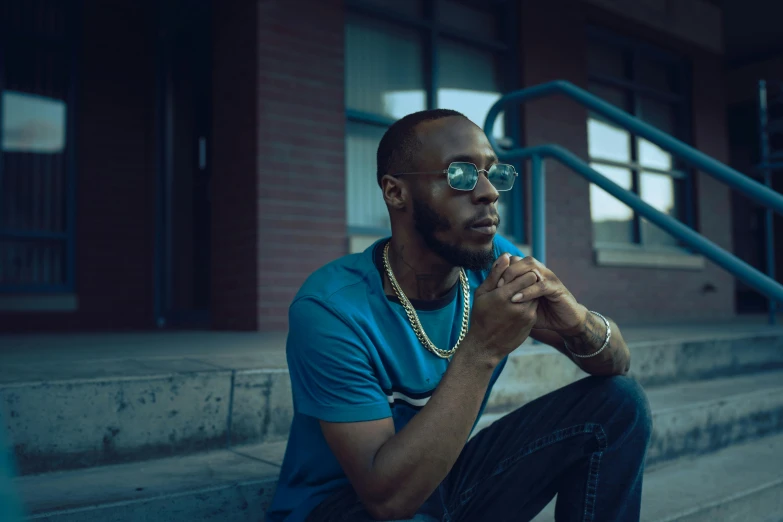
x=585, y=442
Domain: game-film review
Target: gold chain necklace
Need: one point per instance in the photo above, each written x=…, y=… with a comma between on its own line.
x=414, y=318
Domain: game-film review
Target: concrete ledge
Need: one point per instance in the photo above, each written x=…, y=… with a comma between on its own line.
x=39, y=303
x=64, y=425
x=693, y=418
x=262, y=407
x=77, y=423
x=648, y=259
x=534, y=370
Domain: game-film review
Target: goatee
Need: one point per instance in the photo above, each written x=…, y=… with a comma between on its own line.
x=427, y=222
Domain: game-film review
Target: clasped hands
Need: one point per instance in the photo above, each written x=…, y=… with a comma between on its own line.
x=557, y=310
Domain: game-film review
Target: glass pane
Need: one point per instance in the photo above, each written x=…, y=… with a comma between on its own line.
x=612, y=219
x=658, y=113
x=605, y=141
x=663, y=116
x=613, y=95
x=606, y=60
x=658, y=190
x=655, y=74
x=407, y=7
x=365, y=205
x=33, y=123
x=468, y=19
x=33, y=188
x=32, y=263
x=651, y=155
x=47, y=18
x=383, y=69
x=468, y=83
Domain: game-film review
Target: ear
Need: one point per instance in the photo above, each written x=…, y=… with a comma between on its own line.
x=396, y=192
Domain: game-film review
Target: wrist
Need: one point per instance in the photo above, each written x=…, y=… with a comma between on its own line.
x=477, y=354
x=581, y=326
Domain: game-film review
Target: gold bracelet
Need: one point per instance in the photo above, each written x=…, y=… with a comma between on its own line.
x=606, y=341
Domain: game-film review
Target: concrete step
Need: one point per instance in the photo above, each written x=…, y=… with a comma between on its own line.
x=88, y=422
x=743, y=483
x=212, y=486
x=535, y=369
x=698, y=417
x=194, y=392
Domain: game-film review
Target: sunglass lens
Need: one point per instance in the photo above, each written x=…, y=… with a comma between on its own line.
x=462, y=176
x=502, y=176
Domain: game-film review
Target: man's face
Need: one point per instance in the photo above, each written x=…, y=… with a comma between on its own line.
x=445, y=218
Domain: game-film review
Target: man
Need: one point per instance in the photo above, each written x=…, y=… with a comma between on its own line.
x=392, y=363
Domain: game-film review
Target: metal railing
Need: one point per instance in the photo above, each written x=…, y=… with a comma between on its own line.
x=537, y=154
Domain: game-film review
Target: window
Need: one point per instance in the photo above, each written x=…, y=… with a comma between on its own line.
x=651, y=85
x=36, y=224
x=406, y=56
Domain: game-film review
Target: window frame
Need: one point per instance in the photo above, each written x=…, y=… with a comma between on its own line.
x=633, y=91
x=431, y=31
x=67, y=41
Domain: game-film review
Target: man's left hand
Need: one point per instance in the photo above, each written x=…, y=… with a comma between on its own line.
x=558, y=310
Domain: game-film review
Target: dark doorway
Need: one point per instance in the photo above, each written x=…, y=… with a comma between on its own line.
x=184, y=107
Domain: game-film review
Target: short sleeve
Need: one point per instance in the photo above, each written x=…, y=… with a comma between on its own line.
x=332, y=376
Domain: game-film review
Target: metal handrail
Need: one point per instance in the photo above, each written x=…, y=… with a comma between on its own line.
x=756, y=191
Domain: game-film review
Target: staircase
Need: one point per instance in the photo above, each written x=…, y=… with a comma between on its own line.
x=192, y=426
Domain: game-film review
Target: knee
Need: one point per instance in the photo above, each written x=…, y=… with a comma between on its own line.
x=630, y=404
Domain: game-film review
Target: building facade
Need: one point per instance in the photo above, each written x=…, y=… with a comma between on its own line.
x=187, y=164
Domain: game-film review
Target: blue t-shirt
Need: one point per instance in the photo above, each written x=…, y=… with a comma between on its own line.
x=353, y=356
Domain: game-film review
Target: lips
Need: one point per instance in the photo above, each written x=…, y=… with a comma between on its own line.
x=485, y=226
x=486, y=222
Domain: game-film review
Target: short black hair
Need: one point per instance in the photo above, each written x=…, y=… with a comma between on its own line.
x=399, y=145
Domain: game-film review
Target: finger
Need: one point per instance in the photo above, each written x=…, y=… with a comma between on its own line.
x=534, y=291
x=519, y=282
x=522, y=284
x=518, y=270
x=517, y=266
x=491, y=282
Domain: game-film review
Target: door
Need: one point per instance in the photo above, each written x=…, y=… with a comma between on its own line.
x=183, y=202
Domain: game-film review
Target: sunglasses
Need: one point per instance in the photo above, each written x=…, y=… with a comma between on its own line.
x=464, y=176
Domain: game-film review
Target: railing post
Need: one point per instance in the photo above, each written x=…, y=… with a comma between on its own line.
x=768, y=215
x=539, y=209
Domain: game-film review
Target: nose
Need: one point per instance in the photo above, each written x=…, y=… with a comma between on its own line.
x=484, y=191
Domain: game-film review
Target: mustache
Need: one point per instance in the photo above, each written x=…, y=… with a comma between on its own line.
x=494, y=217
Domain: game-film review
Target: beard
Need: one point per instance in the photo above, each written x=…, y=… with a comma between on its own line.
x=428, y=222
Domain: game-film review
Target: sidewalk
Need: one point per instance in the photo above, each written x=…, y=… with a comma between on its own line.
x=56, y=357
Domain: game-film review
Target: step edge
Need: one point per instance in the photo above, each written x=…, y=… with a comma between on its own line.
x=154, y=498
x=777, y=391
x=722, y=501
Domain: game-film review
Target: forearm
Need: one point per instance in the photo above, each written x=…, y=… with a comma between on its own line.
x=411, y=464
x=615, y=359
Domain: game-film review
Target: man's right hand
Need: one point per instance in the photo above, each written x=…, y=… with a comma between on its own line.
x=498, y=325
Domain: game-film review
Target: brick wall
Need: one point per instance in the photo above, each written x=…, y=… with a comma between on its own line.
x=301, y=148
x=553, y=42
x=696, y=21
x=234, y=167
x=115, y=183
